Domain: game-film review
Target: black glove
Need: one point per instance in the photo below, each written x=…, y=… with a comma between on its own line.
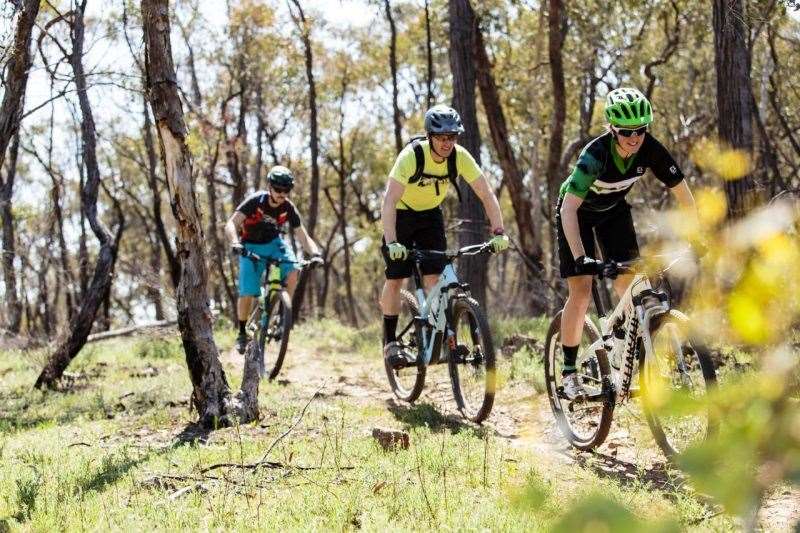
x=238, y=249
x=588, y=266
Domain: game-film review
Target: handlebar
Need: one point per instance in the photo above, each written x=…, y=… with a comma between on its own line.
x=472, y=249
x=303, y=264
x=611, y=269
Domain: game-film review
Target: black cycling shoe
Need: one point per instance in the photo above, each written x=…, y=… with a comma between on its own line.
x=396, y=356
x=241, y=342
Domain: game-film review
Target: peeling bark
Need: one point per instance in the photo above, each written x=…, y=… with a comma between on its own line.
x=211, y=394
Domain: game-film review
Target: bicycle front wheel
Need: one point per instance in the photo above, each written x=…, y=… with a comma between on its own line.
x=675, y=378
x=471, y=360
x=584, y=422
x=408, y=380
x=273, y=336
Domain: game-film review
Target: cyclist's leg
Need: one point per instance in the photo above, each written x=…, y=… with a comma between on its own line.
x=580, y=291
x=289, y=271
x=617, y=238
x=396, y=273
x=249, y=287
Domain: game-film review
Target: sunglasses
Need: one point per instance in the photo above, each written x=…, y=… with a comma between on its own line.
x=281, y=190
x=446, y=137
x=626, y=132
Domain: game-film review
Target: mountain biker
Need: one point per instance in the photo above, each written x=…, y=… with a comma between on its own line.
x=592, y=199
x=411, y=215
x=256, y=226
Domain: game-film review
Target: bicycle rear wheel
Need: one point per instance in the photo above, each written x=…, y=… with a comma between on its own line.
x=471, y=360
x=584, y=423
x=672, y=394
x=272, y=338
x=408, y=381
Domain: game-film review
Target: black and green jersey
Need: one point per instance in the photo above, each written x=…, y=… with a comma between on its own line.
x=602, y=178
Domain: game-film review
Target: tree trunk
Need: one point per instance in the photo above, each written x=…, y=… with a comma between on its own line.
x=732, y=60
x=520, y=196
x=14, y=83
x=463, y=26
x=102, y=276
x=313, y=204
x=16, y=76
x=152, y=181
x=13, y=305
x=211, y=393
x=555, y=38
x=429, y=55
x=398, y=131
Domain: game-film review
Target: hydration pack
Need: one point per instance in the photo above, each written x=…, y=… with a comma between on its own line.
x=419, y=155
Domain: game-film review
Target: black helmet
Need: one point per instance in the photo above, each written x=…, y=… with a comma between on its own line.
x=281, y=176
x=443, y=119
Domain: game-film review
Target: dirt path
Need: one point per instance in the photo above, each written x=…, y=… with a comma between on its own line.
x=520, y=416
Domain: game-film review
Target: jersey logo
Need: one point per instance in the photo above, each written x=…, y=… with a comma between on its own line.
x=282, y=218
x=673, y=169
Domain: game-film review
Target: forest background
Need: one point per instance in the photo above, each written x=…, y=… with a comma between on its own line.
x=333, y=90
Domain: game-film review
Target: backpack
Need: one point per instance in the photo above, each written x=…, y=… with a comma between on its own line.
x=419, y=155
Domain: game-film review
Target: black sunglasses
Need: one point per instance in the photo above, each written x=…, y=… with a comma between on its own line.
x=282, y=190
x=626, y=132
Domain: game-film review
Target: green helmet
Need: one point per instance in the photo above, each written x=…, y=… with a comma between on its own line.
x=628, y=108
x=281, y=176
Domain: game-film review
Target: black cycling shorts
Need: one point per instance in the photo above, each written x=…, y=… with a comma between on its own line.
x=423, y=230
x=615, y=234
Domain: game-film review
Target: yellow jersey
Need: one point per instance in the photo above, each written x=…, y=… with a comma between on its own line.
x=422, y=194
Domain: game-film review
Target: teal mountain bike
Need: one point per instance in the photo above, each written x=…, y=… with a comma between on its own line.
x=445, y=326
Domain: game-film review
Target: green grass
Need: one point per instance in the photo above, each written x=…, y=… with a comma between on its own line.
x=106, y=453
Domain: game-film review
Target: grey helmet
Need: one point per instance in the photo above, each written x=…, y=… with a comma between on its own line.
x=281, y=176
x=443, y=119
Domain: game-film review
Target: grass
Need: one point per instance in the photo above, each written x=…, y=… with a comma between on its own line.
x=106, y=453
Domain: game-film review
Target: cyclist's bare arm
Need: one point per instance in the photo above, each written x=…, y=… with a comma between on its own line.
x=489, y=201
x=394, y=191
x=234, y=226
x=683, y=194
x=569, y=221
x=308, y=244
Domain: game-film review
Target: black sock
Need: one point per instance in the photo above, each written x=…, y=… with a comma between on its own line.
x=242, y=323
x=570, y=355
x=389, y=328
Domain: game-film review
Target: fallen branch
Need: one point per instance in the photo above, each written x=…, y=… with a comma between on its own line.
x=263, y=461
x=129, y=330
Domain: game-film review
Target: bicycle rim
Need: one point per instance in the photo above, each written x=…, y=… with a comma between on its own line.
x=584, y=424
x=274, y=338
x=407, y=382
x=471, y=360
x=673, y=397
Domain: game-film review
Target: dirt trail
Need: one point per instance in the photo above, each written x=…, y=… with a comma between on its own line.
x=520, y=416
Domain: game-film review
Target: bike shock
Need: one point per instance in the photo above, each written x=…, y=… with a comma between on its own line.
x=631, y=349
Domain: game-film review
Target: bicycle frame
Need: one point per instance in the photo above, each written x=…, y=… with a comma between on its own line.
x=630, y=305
x=432, y=310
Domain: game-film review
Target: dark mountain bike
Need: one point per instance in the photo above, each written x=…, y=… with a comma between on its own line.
x=446, y=326
x=643, y=335
x=270, y=322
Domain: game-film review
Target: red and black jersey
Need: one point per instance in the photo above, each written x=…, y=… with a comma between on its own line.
x=262, y=222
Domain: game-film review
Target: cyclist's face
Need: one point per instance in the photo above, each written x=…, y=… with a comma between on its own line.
x=444, y=143
x=631, y=143
x=278, y=194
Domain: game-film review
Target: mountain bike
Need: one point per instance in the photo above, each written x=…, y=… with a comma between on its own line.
x=644, y=334
x=270, y=322
x=446, y=326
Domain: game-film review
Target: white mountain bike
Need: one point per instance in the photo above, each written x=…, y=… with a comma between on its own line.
x=643, y=335
x=447, y=326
